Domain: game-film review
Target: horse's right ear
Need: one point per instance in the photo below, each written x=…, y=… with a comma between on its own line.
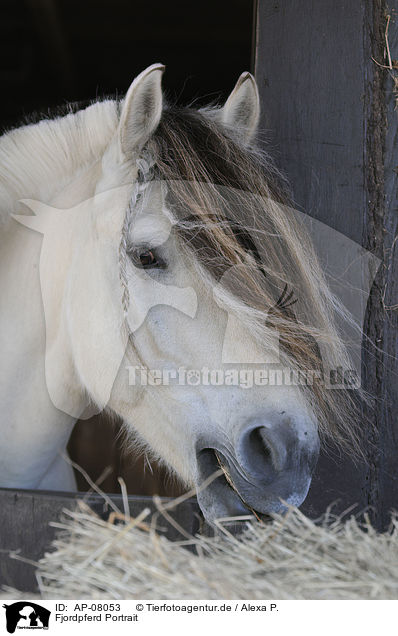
x=241, y=111
x=141, y=110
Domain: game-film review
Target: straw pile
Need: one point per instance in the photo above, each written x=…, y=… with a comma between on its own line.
x=289, y=558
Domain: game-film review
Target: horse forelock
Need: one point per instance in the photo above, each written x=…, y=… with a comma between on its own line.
x=226, y=199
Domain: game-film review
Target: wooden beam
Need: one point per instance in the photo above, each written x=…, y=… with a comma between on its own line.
x=328, y=117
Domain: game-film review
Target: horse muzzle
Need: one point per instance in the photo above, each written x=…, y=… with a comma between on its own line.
x=266, y=466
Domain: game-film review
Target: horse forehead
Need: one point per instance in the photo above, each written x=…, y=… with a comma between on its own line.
x=150, y=230
x=151, y=222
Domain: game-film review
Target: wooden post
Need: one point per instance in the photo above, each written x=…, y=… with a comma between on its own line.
x=329, y=110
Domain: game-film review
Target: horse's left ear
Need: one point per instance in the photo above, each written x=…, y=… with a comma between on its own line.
x=141, y=111
x=241, y=111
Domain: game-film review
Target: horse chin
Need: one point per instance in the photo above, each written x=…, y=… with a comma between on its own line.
x=221, y=502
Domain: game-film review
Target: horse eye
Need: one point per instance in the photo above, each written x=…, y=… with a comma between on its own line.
x=148, y=259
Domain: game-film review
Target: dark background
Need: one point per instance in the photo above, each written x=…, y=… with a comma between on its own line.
x=59, y=51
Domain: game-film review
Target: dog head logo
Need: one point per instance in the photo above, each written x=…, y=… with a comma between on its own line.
x=26, y=615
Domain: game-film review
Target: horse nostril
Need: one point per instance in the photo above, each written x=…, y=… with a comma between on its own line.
x=263, y=451
x=257, y=440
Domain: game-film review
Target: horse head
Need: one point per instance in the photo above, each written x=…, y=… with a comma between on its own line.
x=184, y=288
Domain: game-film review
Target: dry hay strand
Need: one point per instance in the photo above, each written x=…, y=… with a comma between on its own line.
x=392, y=65
x=290, y=557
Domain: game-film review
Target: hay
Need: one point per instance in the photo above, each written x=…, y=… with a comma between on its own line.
x=289, y=558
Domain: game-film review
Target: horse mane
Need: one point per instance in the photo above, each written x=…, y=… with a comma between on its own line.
x=38, y=159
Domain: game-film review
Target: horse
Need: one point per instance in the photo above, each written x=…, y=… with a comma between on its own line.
x=149, y=263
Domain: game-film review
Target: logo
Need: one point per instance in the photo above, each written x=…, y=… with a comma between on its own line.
x=26, y=615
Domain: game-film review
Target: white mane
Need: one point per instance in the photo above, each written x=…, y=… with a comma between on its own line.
x=37, y=160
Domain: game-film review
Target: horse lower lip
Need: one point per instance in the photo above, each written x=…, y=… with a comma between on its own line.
x=233, y=506
x=221, y=489
x=260, y=516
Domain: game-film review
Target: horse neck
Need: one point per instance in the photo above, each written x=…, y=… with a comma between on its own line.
x=38, y=161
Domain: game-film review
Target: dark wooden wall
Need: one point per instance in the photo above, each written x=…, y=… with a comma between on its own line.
x=97, y=443
x=328, y=114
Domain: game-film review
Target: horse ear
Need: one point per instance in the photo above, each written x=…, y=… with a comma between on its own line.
x=142, y=109
x=241, y=111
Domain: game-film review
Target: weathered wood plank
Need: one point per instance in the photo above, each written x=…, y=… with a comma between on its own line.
x=25, y=516
x=323, y=102
x=384, y=115
x=310, y=71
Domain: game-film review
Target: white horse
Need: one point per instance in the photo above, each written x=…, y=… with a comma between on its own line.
x=129, y=269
